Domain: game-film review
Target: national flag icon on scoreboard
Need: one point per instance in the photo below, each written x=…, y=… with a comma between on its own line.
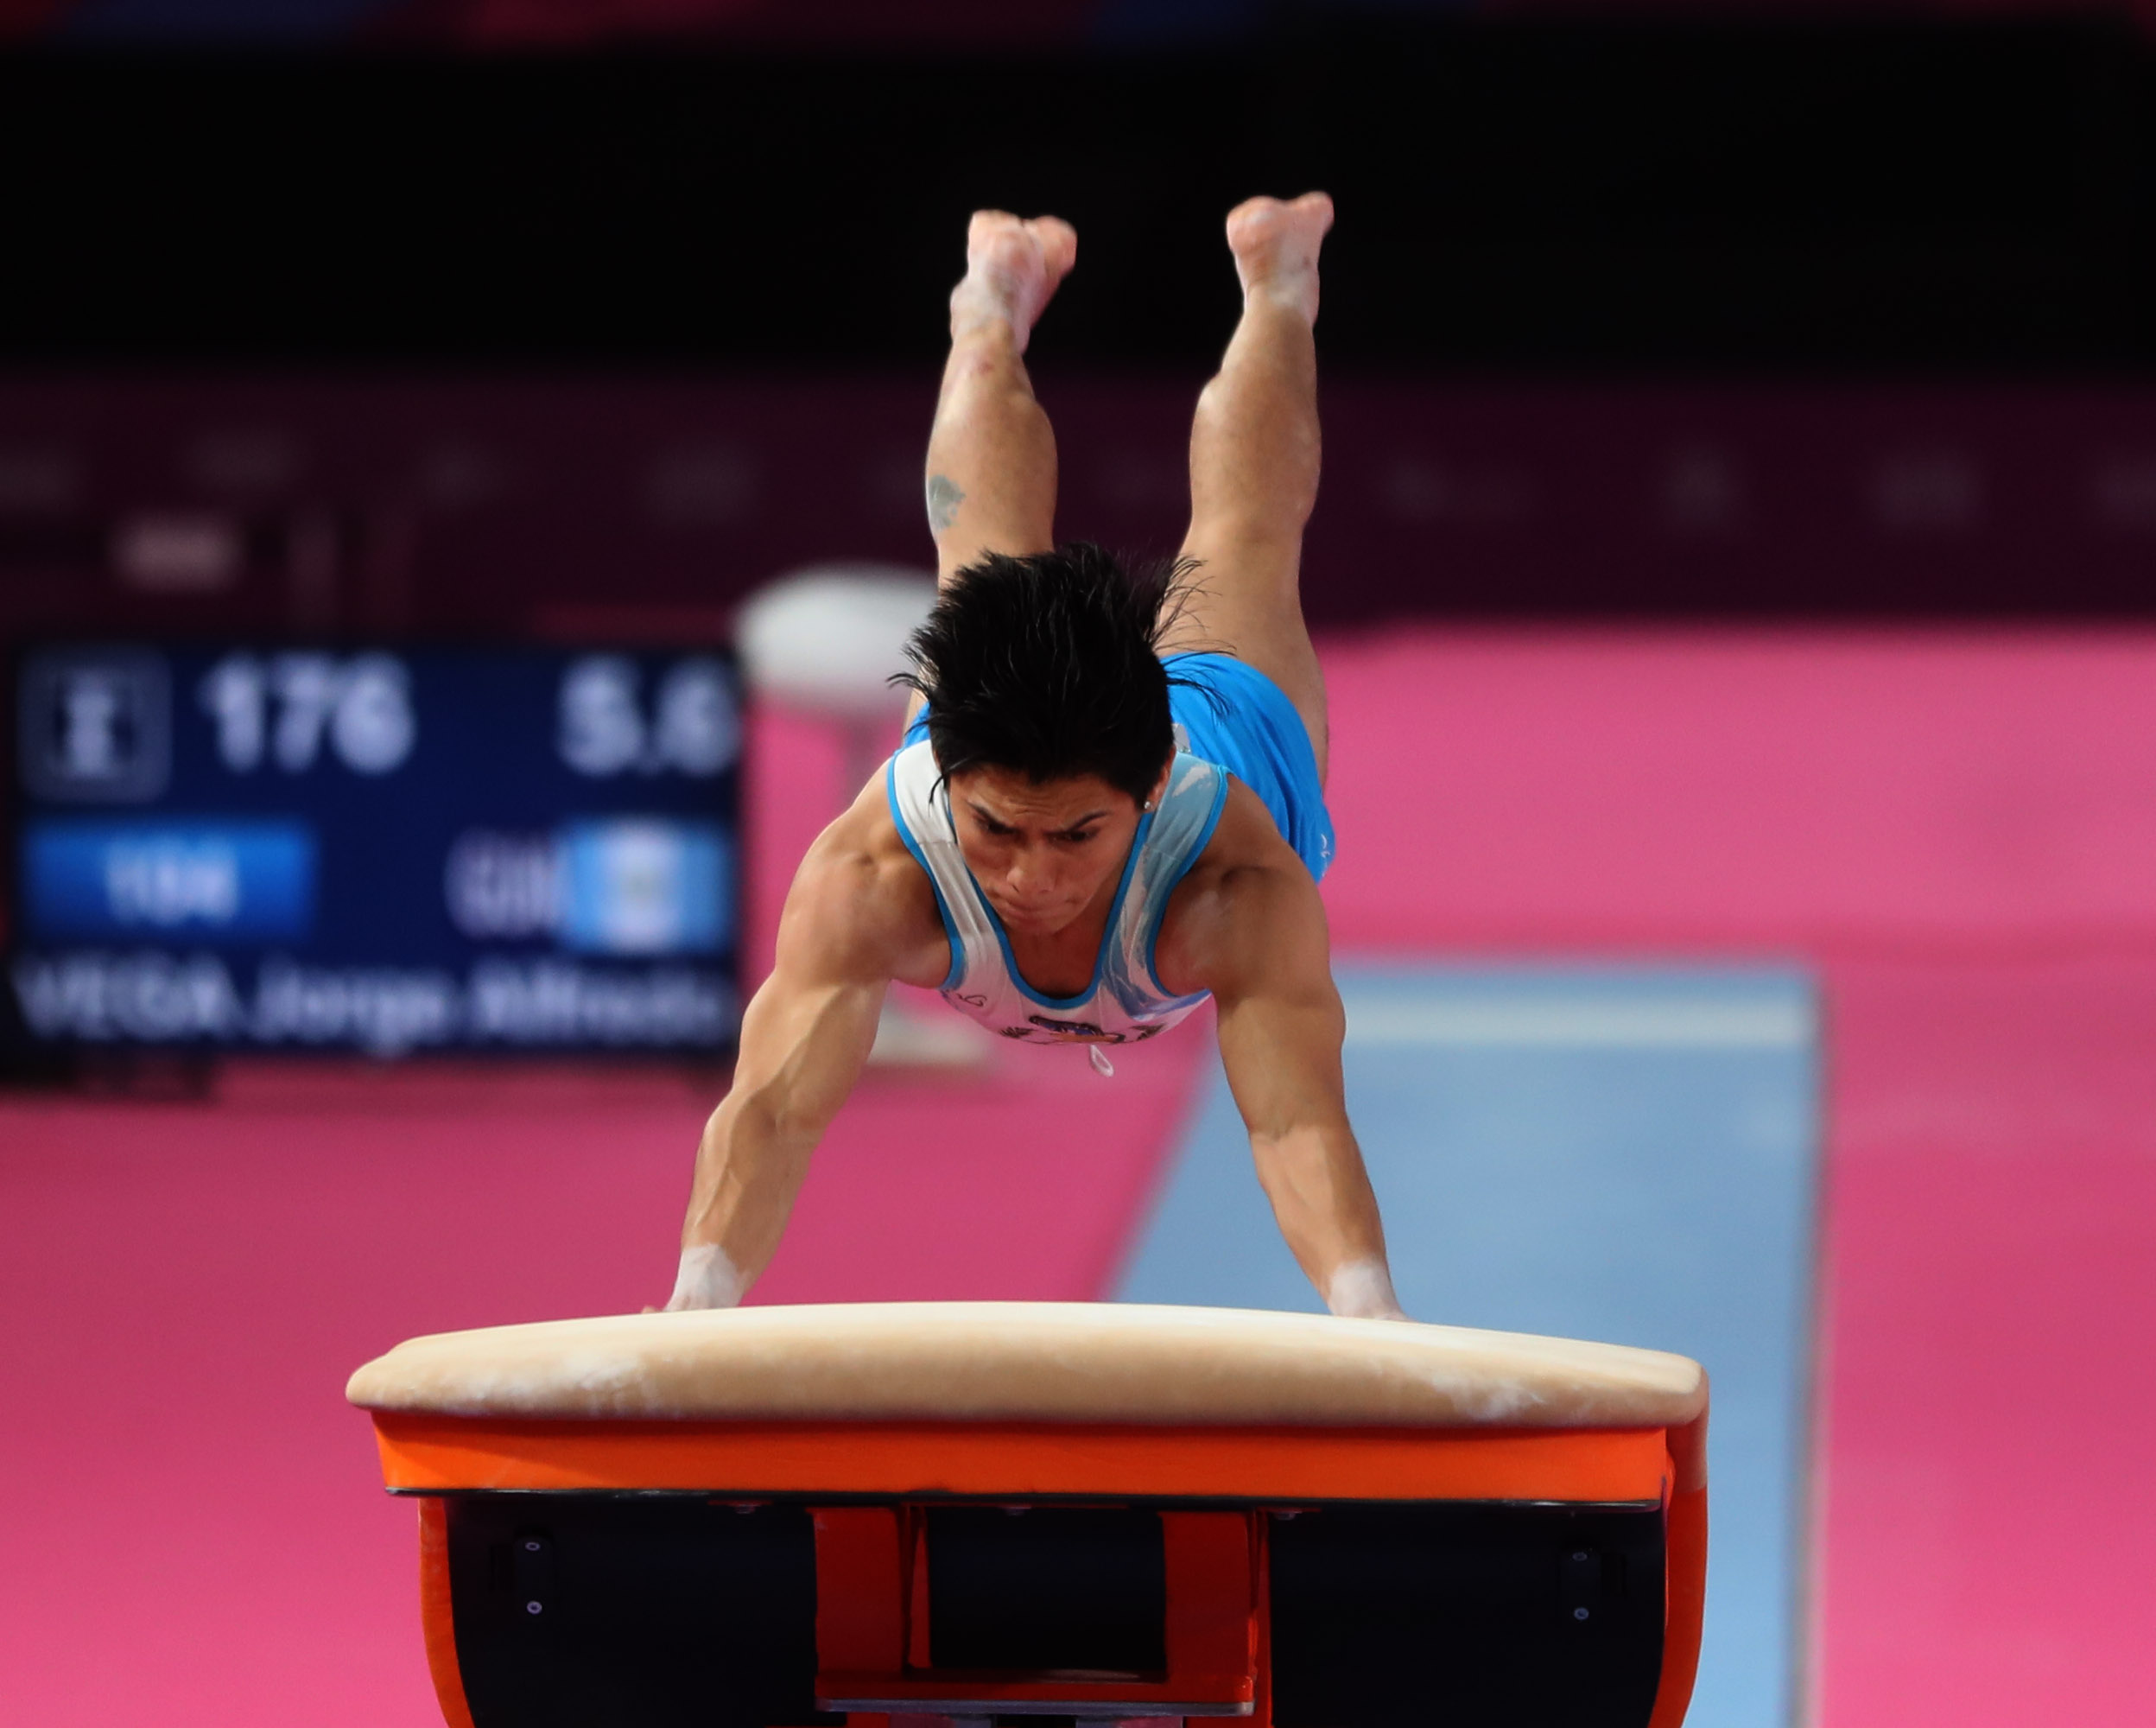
x=644, y=886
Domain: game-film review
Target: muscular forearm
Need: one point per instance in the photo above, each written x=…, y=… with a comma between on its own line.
x=749, y=1168
x=1321, y=1199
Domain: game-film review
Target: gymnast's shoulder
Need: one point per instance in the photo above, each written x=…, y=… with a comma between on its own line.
x=1247, y=906
x=860, y=903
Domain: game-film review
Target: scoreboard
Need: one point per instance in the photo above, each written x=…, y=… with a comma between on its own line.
x=237, y=848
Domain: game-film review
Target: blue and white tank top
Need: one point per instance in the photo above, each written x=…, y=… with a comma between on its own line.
x=1126, y=1002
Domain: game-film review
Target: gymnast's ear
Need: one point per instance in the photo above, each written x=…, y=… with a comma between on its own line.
x=1151, y=800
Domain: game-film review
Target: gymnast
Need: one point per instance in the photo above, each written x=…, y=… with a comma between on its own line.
x=1109, y=801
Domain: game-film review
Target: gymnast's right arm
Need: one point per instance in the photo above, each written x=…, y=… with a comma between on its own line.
x=804, y=1040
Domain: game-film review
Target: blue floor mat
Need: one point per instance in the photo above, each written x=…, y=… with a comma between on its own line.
x=1623, y=1154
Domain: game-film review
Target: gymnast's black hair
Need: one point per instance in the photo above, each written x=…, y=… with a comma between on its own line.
x=1050, y=665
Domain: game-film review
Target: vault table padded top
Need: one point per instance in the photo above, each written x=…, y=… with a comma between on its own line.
x=1029, y=1362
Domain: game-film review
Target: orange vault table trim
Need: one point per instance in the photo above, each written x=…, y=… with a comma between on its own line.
x=778, y=1518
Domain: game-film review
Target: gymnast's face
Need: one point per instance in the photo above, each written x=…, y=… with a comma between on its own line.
x=1043, y=852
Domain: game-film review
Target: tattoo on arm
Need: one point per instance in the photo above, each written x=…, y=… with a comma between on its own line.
x=944, y=498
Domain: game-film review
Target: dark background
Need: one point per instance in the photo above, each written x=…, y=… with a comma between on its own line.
x=1547, y=197
x=1829, y=315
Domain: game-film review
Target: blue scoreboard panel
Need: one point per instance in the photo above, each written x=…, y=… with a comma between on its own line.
x=385, y=850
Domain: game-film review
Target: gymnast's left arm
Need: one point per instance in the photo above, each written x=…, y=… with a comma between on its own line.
x=1281, y=1028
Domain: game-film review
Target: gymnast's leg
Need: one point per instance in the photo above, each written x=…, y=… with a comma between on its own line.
x=992, y=457
x=1254, y=463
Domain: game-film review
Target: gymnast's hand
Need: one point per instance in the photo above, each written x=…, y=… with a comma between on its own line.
x=707, y=1279
x=1362, y=1290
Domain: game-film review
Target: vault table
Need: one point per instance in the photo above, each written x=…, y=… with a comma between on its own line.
x=779, y=1517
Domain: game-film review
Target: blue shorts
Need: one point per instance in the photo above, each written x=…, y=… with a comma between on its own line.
x=1249, y=726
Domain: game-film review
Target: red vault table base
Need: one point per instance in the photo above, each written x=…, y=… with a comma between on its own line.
x=779, y=1518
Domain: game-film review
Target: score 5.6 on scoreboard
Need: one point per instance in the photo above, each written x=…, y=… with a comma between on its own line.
x=385, y=851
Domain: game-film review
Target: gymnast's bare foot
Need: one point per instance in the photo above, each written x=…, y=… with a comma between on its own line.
x=1012, y=267
x=1275, y=243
